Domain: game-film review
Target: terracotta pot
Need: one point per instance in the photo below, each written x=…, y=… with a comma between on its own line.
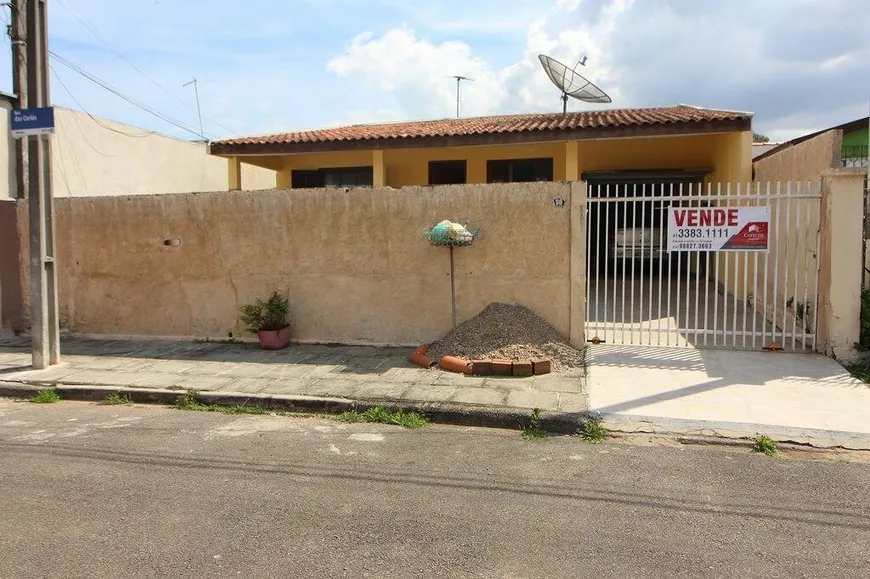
x=274, y=339
x=454, y=364
x=421, y=360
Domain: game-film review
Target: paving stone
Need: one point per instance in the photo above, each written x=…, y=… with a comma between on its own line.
x=533, y=399
x=332, y=387
x=201, y=368
x=487, y=396
x=287, y=371
x=461, y=380
x=250, y=385
x=170, y=366
x=48, y=375
x=290, y=385
x=569, y=402
x=382, y=390
x=244, y=370
x=410, y=375
x=430, y=393
x=202, y=382
x=560, y=383
x=154, y=380
x=95, y=377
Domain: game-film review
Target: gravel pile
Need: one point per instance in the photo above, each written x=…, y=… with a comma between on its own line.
x=508, y=331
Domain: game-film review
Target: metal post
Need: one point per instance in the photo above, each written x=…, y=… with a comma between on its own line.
x=452, y=289
x=43, y=277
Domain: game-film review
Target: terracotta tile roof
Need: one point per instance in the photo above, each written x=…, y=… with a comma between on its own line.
x=490, y=126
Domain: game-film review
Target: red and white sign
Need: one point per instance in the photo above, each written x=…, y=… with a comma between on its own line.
x=718, y=228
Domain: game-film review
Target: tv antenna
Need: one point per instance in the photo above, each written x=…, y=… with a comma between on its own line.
x=572, y=83
x=198, y=109
x=459, y=79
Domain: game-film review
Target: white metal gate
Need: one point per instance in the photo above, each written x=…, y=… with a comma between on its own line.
x=637, y=292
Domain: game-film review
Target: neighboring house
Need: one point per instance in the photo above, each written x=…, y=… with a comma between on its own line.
x=93, y=156
x=676, y=143
x=850, y=149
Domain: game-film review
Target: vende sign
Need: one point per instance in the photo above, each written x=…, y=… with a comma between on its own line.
x=718, y=229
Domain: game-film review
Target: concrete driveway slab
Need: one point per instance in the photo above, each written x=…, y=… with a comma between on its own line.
x=782, y=392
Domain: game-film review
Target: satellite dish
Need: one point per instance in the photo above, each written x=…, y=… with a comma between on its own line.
x=572, y=83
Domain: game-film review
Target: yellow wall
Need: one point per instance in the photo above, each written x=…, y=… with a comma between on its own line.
x=728, y=155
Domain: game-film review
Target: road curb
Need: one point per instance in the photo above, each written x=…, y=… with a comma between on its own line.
x=436, y=412
x=729, y=432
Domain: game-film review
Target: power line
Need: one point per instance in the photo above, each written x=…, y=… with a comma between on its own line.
x=91, y=27
x=66, y=89
x=100, y=82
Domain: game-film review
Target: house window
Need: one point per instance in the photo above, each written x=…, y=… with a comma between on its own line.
x=447, y=172
x=333, y=177
x=519, y=170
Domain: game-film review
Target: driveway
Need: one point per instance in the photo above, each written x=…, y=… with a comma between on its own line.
x=800, y=397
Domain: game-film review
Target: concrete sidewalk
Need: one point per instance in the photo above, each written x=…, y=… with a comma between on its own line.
x=804, y=398
x=352, y=373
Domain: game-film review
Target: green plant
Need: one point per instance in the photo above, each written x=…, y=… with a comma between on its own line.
x=45, y=397
x=864, y=335
x=593, y=431
x=117, y=399
x=802, y=311
x=189, y=401
x=533, y=430
x=860, y=371
x=381, y=415
x=763, y=443
x=268, y=315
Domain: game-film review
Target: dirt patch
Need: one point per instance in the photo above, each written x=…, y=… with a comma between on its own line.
x=508, y=331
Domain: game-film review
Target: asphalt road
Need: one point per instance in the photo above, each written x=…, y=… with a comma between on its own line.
x=96, y=491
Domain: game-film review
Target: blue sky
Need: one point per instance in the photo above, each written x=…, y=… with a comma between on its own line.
x=266, y=66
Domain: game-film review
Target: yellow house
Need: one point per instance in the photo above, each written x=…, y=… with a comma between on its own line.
x=673, y=143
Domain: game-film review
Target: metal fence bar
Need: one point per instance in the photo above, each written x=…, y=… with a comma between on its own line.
x=736, y=285
x=598, y=265
x=807, y=313
x=754, y=301
x=706, y=284
x=745, y=296
x=775, y=295
x=796, y=306
x=716, y=285
x=766, y=270
x=662, y=241
x=787, y=260
x=607, y=250
x=633, y=263
x=668, y=311
x=697, y=321
x=622, y=280
x=644, y=337
x=588, y=260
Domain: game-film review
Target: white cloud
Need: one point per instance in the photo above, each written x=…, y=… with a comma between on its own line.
x=415, y=72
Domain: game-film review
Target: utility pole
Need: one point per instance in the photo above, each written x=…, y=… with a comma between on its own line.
x=45, y=331
x=19, y=87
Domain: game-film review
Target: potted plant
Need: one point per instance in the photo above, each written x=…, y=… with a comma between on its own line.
x=268, y=319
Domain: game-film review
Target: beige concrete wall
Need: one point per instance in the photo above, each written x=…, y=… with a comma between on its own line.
x=805, y=161
x=7, y=154
x=356, y=266
x=841, y=262
x=96, y=156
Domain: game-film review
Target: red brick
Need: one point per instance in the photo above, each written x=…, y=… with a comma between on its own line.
x=481, y=367
x=542, y=366
x=522, y=368
x=501, y=367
